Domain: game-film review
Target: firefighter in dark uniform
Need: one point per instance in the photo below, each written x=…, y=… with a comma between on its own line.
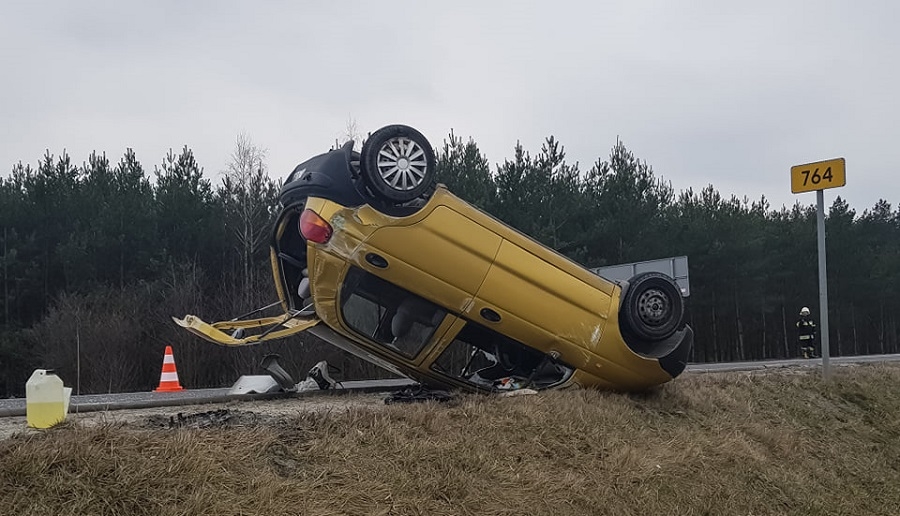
x=806, y=334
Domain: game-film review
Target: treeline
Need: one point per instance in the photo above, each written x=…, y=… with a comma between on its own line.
x=95, y=258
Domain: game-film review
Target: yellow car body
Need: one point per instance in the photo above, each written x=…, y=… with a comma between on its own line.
x=452, y=297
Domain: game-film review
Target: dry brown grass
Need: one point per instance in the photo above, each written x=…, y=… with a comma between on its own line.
x=720, y=445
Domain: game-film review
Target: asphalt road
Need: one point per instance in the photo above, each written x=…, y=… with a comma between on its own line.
x=135, y=400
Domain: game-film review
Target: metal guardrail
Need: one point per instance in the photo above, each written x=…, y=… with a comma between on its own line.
x=138, y=400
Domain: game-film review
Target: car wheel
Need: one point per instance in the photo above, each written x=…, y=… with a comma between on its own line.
x=397, y=164
x=653, y=306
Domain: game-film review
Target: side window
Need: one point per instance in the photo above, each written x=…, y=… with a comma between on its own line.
x=490, y=360
x=388, y=314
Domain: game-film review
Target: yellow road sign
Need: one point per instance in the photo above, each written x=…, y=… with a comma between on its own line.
x=818, y=176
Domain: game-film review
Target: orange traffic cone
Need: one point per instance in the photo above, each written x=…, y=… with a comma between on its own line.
x=168, y=379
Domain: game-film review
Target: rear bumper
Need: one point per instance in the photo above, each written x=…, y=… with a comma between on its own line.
x=271, y=328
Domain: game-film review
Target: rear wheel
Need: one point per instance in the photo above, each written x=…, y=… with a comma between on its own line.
x=653, y=306
x=397, y=163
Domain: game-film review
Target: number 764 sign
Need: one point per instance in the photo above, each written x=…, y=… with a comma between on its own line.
x=818, y=176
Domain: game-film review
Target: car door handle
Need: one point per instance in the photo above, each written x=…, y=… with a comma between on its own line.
x=376, y=260
x=490, y=315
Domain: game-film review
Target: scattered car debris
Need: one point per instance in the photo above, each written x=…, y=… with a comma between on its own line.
x=210, y=419
x=418, y=394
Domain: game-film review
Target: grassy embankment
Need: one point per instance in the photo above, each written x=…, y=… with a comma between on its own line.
x=781, y=443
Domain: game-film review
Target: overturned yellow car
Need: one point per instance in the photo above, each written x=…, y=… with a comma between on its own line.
x=370, y=255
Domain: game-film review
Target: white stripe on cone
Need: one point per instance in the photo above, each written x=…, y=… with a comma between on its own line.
x=168, y=359
x=168, y=377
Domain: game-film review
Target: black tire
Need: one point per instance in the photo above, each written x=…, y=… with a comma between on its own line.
x=653, y=306
x=397, y=163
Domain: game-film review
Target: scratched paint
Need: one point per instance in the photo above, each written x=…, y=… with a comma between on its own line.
x=595, y=337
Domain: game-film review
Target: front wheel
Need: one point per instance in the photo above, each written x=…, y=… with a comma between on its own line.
x=653, y=307
x=398, y=163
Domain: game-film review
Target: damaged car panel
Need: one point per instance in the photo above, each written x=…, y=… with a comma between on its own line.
x=371, y=254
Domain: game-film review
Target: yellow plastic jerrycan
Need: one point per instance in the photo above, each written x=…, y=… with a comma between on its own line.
x=46, y=399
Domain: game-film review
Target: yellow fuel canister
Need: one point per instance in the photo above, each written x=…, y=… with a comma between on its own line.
x=46, y=399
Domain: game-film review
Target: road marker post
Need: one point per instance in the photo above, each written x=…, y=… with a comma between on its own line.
x=817, y=177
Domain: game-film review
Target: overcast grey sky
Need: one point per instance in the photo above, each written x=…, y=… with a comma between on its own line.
x=706, y=91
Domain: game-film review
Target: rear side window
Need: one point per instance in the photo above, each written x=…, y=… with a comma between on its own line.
x=490, y=360
x=387, y=314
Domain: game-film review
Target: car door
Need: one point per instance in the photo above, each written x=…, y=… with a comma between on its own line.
x=544, y=300
x=443, y=256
